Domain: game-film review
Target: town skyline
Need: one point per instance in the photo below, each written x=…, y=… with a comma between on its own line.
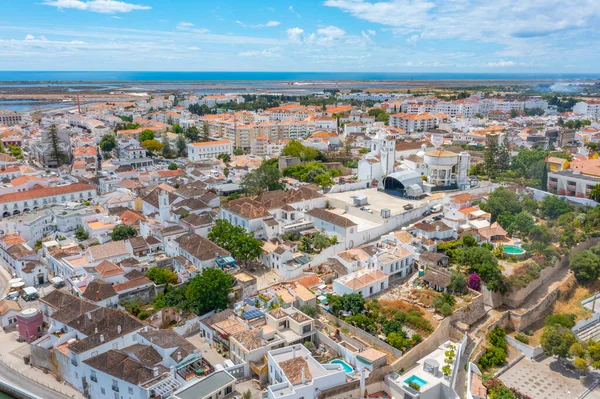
x=319, y=36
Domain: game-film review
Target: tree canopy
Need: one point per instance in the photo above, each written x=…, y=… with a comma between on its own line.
x=242, y=244
x=161, y=275
x=146, y=135
x=266, y=178
x=123, y=232
x=297, y=149
x=209, y=291
x=108, y=142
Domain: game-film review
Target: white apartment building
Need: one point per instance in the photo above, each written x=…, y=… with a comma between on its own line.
x=295, y=374
x=208, y=150
x=414, y=122
x=589, y=107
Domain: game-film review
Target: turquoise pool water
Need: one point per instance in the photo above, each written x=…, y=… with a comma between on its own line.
x=347, y=368
x=513, y=250
x=416, y=380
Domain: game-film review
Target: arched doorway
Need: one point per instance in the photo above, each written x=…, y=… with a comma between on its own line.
x=16, y=212
x=6, y=214
x=40, y=278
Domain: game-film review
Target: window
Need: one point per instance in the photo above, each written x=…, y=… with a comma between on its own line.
x=130, y=390
x=102, y=391
x=93, y=376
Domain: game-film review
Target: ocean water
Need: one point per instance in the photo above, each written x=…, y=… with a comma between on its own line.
x=140, y=76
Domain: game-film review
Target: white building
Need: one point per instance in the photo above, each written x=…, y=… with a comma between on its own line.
x=590, y=107
x=295, y=374
x=367, y=282
x=15, y=203
x=209, y=150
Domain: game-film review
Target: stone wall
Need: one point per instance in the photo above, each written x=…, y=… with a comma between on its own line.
x=521, y=321
x=471, y=312
x=516, y=298
x=363, y=335
x=44, y=359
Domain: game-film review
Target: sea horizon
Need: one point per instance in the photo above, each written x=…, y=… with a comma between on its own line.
x=213, y=76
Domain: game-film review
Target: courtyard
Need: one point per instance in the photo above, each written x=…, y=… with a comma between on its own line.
x=548, y=379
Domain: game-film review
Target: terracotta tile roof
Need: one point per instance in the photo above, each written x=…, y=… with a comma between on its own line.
x=119, y=365
x=127, y=285
x=12, y=239
x=293, y=370
x=108, y=250
x=310, y=281
x=362, y=279
x=99, y=290
x=108, y=269
x=6, y=306
x=46, y=192
x=331, y=217
x=130, y=217
x=201, y=248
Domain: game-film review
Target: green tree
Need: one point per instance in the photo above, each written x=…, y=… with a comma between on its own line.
x=160, y=275
x=56, y=153
x=557, y=340
x=324, y=180
x=491, y=156
x=192, y=134
x=167, y=151
x=81, y=234
x=309, y=310
x=242, y=245
x=545, y=177
x=553, y=207
x=173, y=166
x=177, y=129
x=297, y=149
x=108, y=142
x=224, y=157
x=180, y=145
x=123, y=232
x=266, y=178
x=146, y=135
x=502, y=200
x=458, y=283
x=238, y=151
x=595, y=193
x=585, y=266
x=226, y=172
x=209, y=291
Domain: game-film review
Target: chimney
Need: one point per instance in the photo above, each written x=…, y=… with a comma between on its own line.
x=89, y=315
x=101, y=337
x=95, y=330
x=303, y=376
x=155, y=371
x=293, y=352
x=119, y=329
x=97, y=295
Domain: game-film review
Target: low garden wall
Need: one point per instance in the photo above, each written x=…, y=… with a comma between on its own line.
x=528, y=351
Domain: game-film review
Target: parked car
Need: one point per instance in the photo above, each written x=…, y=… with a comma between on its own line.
x=436, y=208
x=438, y=217
x=408, y=207
x=12, y=296
x=430, y=220
x=30, y=294
x=427, y=213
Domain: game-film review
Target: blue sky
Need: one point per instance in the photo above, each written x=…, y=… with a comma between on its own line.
x=309, y=35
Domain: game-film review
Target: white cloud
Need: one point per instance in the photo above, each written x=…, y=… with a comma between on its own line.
x=99, y=6
x=270, y=53
x=295, y=34
x=269, y=24
x=29, y=37
x=519, y=25
x=291, y=8
x=331, y=32
x=413, y=40
x=502, y=64
x=371, y=32
x=189, y=27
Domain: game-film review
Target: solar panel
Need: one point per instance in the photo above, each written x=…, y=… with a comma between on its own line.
x=252, y=314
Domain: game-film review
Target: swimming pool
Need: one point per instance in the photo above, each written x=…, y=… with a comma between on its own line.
x=347, y=368
x=416, y=380
x=513, y=250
